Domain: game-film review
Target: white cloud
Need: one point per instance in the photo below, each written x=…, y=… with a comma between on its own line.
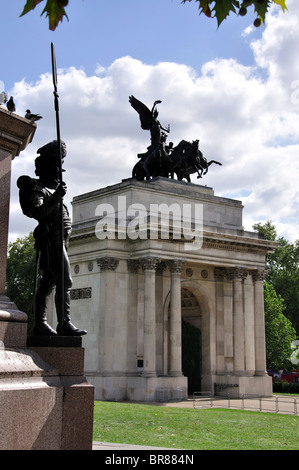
x=244, y=117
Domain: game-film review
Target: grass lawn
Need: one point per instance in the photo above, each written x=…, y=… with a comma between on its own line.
x=181, y=428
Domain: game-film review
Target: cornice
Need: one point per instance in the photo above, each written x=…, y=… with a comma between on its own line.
x=211, y=240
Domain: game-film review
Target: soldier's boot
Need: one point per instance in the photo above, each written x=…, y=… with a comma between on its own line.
x=66, y=328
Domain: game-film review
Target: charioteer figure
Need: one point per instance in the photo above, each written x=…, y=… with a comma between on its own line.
x=41, y=199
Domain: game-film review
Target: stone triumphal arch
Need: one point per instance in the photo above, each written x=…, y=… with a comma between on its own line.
x=172, y=304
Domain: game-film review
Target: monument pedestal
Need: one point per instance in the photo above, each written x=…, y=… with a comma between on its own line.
x=46, y=402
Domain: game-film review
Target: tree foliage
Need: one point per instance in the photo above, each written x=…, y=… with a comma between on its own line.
x=219, y=9
x=283, y=271
x=20, y=274
x=54, y=10
x=279, y=331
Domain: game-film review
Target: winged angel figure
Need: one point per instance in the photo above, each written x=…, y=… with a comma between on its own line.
x=162, y=160
x=148, y=119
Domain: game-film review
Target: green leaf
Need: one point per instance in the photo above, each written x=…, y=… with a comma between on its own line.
x=223, y=8
x=55, y=12
x=205, y=7
x=30, y=5
x=262, y=8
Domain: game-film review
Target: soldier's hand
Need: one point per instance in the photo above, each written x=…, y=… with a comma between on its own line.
x=61, y=189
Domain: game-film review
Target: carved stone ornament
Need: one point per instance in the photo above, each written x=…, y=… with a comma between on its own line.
x=149, y=262
x=176, y=265
x=133, y=265
x=108, y=263
x=219, y=274
x=259, y=274
x=189, y=272
x=82, y=293
x=236, y=274
x=161, y=266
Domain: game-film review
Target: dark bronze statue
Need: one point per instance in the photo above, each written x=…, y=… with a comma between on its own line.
x=41, y=199
x=186, y=158
x=152, y=160
x=166, y=160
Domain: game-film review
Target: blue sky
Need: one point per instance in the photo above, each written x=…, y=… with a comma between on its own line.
x=235, y=88
x=100, y=31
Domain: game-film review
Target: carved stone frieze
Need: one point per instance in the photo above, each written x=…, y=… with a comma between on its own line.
x=81, y=293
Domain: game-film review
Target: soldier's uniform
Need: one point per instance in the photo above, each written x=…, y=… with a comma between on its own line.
x=40, y=199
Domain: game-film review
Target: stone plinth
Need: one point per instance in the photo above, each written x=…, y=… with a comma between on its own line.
x=46, y=402
x=78, y=396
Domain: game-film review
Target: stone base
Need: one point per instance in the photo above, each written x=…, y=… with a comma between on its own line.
x=45, y=401
x=138, y=388
x=237, y=386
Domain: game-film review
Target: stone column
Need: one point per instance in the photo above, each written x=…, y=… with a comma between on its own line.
x=175, y=337
x=107, y=347
x=258, y=276
x=219, y=274
x=238, y=275
x=149, y=352
x=133, y=266
x=249, y=326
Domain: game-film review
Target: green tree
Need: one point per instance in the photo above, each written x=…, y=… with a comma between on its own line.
x=267, y=230
x=20, y=275
x=283, y=271
x=279, y=331
x=219, y=9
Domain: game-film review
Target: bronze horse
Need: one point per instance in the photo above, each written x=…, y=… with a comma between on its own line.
x=188, y=159
x=185, y=159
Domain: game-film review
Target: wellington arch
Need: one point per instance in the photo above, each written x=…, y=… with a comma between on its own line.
x=168, y=313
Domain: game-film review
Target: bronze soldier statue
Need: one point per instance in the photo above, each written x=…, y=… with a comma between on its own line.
x=41, y=199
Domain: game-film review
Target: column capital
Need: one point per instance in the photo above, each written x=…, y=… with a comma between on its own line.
x=259, y=274
x=149, y=263
x=176, y=265
x=237, y=273
x=108, y=263
x=133, y=265
x=161, y=266
x=219, y=273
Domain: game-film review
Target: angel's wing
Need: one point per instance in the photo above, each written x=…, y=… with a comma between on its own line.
x=145, y=115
